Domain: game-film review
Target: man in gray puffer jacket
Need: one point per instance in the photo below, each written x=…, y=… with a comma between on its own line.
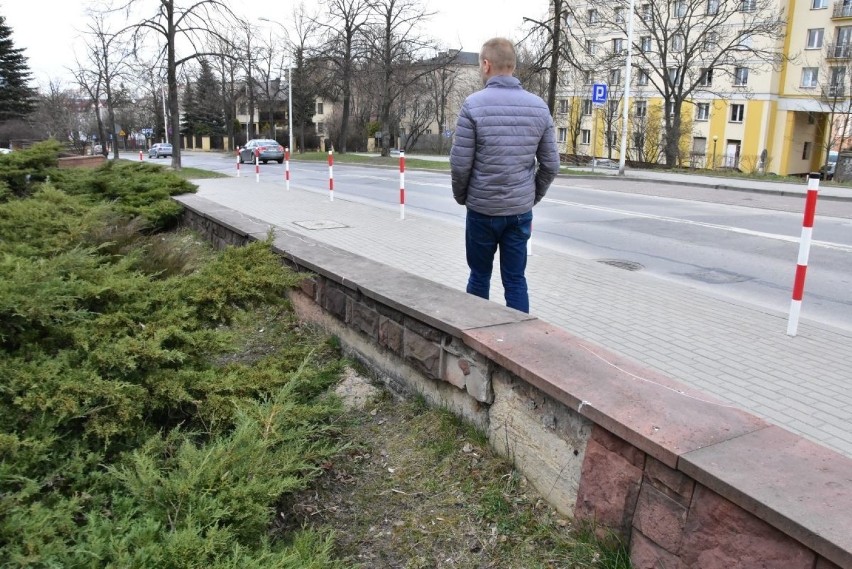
x=504, y=158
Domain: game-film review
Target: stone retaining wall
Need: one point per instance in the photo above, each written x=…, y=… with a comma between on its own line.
x=689, y=480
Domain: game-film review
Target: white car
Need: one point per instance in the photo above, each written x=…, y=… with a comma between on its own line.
x=5, y=150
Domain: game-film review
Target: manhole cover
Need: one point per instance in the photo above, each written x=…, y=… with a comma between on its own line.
x=622, y=264
x=320, y=224
x=717, y=276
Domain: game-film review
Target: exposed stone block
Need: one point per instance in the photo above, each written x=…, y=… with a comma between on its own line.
x=422, y=353
x=334, y=300
x=455, y=370
x=620, y=447
x=421, y=329
x=676, y=485
x=721, y=535
x=660, y=518
x=390, y=335
x=308, y=285
x=645, y=554
x=364, y=319
x=551, y=458
x=610, y=483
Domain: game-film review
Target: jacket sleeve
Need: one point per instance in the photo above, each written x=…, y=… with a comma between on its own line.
x=461, y=155
x=547, y=156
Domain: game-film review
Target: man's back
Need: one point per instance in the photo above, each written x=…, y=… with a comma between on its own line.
x=500, y=133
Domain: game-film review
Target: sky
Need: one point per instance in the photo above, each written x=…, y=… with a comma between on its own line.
x=50, y=30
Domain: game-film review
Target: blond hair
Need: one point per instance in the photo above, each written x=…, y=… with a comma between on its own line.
x=501, y=53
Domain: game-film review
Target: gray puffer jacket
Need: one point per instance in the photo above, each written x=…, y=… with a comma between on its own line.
x=501, y=132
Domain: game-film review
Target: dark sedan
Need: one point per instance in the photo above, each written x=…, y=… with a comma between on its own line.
x=266, y=150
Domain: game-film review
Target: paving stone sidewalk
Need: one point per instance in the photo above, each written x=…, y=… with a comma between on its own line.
x=732, y=350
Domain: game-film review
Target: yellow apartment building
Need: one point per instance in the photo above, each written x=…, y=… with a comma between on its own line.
x=743, y=112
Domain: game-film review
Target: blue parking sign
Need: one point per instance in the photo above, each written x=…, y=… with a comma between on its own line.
x=599, y=92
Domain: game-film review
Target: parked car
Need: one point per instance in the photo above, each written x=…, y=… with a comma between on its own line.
x=267, y=150
x=159, y=150
x=828, y=169
x=5, y=150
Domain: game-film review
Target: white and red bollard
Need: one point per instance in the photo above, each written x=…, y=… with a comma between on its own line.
x=238, y=161
x=257, y=165
x=287, y=167
x=804, y=252
x=331, y=174
x=402, y=184
x=140, y=156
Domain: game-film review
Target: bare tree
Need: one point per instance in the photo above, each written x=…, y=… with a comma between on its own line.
x=59, y=116
x=343, y=49
x=552, y=51
x=107, y=59
x=687, y=46
x=310, y=76
x=194, y=23
x=830, y=83
x=395, y=53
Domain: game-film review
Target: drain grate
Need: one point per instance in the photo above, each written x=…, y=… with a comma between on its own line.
x=320, y=224
x=622, y=264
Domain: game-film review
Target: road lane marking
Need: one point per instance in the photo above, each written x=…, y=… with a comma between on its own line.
x=730, y=228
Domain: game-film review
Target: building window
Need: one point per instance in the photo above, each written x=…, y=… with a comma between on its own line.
x=613, y=107
x=744, y=41
x=585, y=136
x=320, y=128
x=641, y=77
x=740, y=76
x=613, y=138
x=641, y=109
x=748, y=5
x=815, y=37
x=706, y=77
x=680, y=9
x=591, y=47
x=618, y=46
x=806, y=151
x=587, y=77
x=563, y=106
x=615, y=77
x=673, y=74
x=737, y=112
x=645, y=44
x=587, y=106
x=638, y=139
x=819, y=4
x=619, y=15
x=563, y=135
x=711, y=41
x=319, y=108
x=810, y=76
x=712, y=7
x=646, y=12
x=593, y=16
x=677, y=43
x=702, y=112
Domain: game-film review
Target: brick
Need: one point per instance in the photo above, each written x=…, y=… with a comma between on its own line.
x=609, y=487
x=365, y=320
x=645, y=554
x=334, y=300
x=390, y=335
x=721, y=535
x=425, y=355
x=660, y=518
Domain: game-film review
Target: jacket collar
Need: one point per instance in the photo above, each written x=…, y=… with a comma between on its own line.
x=503, y=81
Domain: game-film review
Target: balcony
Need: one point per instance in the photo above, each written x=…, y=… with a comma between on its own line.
x=841, y=10
x=838, y=51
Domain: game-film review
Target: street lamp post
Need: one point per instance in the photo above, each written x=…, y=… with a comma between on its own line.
x=626, y=103
x=715, y=140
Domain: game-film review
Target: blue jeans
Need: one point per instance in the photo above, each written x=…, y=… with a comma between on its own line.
x=483, y=235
